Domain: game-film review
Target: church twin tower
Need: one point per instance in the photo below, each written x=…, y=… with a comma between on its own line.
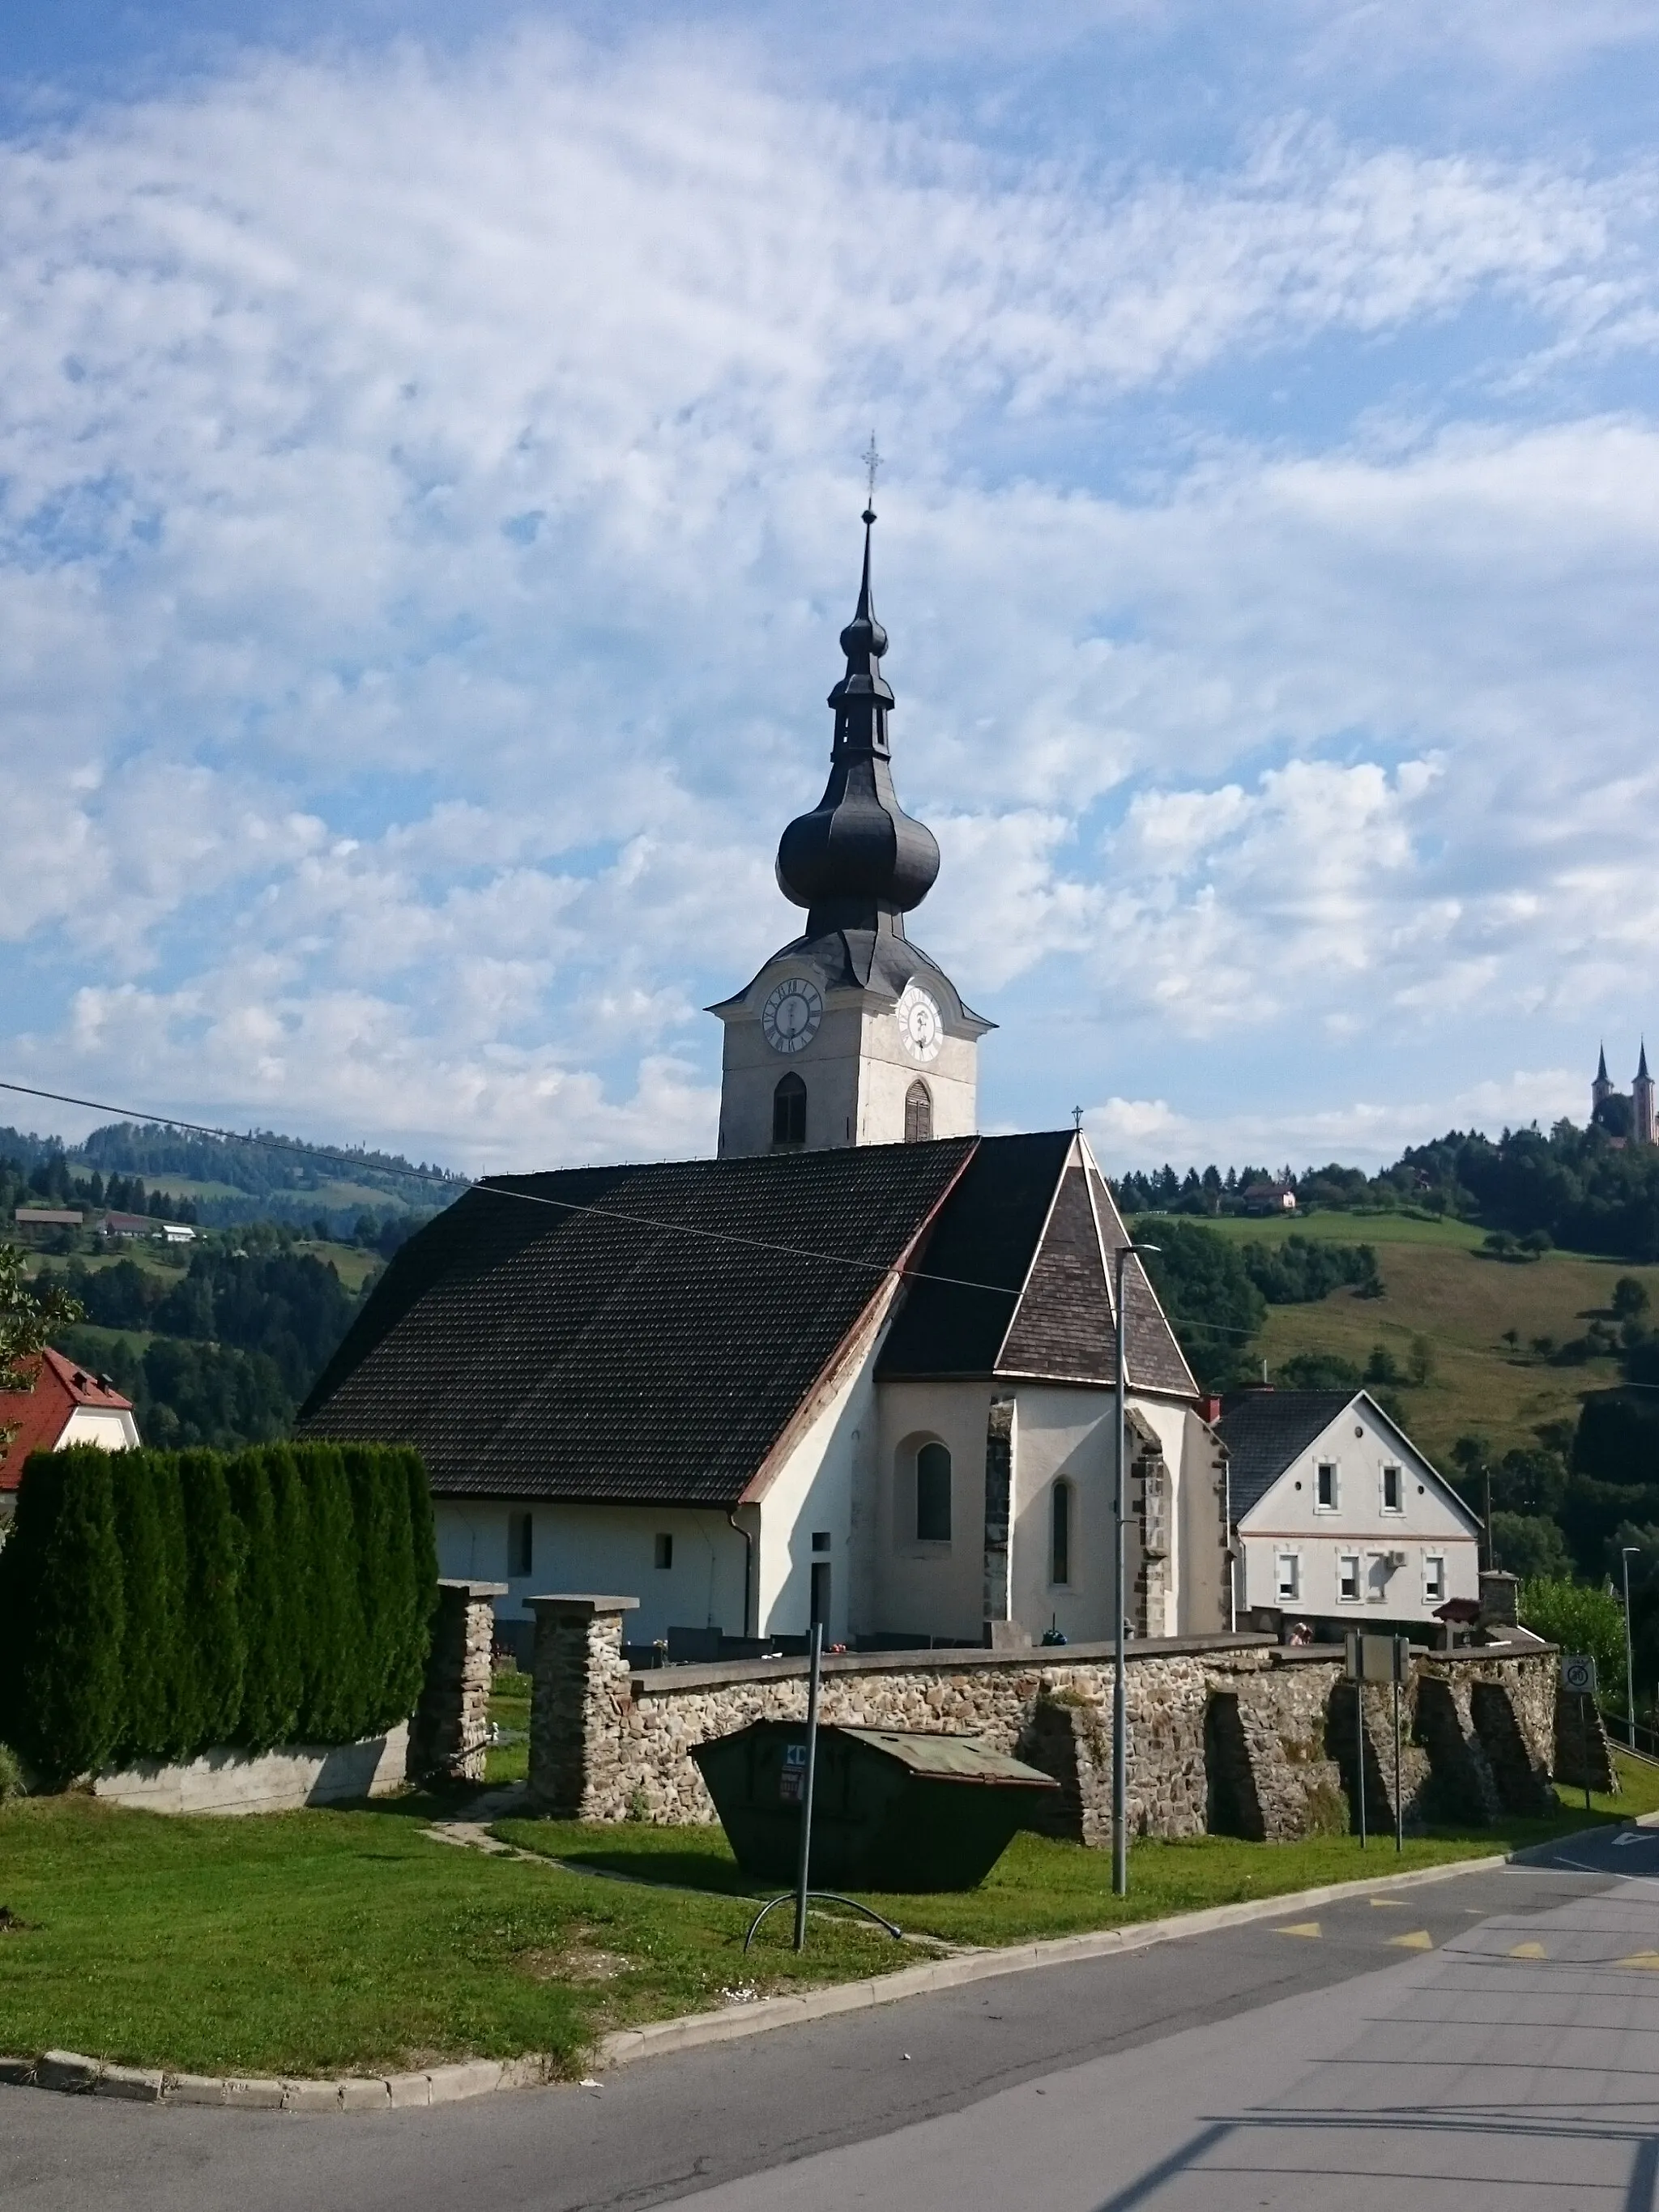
x=851, y=1035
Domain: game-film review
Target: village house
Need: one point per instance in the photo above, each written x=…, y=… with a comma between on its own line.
x=67, y=1406
x=1339, y=1521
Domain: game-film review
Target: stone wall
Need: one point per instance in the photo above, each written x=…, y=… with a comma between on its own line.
x=1228, y=1733
x=449, y=1733
x=1583, y=1751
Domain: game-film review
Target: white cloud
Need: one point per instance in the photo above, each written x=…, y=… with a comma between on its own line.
x=423, y=526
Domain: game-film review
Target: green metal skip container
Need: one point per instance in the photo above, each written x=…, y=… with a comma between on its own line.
x=893, y=1808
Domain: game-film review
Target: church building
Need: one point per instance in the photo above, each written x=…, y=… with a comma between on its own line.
x=859, y=1368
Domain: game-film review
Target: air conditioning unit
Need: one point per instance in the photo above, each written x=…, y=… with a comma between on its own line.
x=1396, y=1559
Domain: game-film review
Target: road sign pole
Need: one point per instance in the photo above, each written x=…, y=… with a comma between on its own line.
x=1399, y=1648
x=1584, y=1747
x=803, y=1869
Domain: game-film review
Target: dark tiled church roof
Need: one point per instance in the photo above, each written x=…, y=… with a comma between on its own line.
x=653, y=1347
x=1265, y=1430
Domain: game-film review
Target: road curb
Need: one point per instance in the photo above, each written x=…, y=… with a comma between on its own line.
x=626, y=2044
x=73, y=2074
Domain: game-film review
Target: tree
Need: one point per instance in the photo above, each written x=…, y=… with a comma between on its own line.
x=1528, y=1544
x=1629, y=1299
x=1580, y=1619
x=31, y=1314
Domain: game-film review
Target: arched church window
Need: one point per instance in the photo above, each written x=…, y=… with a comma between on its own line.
x=789, y=1110
x=932, y=1495
x=1059, y=1533
x=918, y=1114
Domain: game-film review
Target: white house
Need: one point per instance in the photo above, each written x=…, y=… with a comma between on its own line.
x=858, y=1369
x=1339, y=1519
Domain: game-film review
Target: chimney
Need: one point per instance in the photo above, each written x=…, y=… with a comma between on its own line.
x=1211, y=1409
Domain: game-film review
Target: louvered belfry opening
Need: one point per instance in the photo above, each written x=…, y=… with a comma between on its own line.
x=789, y=1111
x=918, y=1114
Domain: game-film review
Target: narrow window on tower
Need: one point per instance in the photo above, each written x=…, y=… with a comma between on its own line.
x=918, y=1114
x=520, y=1544
x=789, y=1110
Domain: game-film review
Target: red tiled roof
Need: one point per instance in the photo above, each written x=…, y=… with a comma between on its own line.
x=42, y=1415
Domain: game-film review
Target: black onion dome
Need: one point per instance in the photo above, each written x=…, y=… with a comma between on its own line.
x=857, y=855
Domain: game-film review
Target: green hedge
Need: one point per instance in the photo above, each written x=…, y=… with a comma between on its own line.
x=155, y=1603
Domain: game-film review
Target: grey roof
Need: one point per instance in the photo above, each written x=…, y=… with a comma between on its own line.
x=1265, y=1430
x=645, y=1335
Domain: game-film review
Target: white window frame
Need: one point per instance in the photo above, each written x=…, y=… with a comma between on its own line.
x=1434, y=1577
x=1336, y=1505
x=1293, y=1561
x=1399, y=1473
x=1344, y=1561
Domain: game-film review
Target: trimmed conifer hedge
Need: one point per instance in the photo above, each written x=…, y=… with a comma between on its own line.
x=155, y=1603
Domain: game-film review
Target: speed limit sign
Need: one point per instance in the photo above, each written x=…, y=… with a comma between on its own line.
x=1578, y=1675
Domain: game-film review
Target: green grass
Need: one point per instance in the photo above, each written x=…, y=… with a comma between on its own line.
x=1333, y=1229
x=509, y=1708
x=326, y=1941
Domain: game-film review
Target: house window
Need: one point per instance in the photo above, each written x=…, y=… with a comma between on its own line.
x=1347, y=1578
x=918, y=1114
x=1289, y=1581
x=1394, y=1490
x=664, y=1551
x=1325, y=1487
x=932, y=1495
x=520, y=1547
x=820, y=1540
x=1059, y=1532
x=789, y=1110
x=1434, y=1579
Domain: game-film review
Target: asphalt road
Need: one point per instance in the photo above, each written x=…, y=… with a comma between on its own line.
x=1475, y=2042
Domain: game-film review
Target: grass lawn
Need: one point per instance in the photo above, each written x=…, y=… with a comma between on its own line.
x=1330, y=1228
x=509, y=1709
x=340, y=1941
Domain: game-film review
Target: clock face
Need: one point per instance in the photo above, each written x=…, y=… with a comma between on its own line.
x=921, y=1024
x=790, y=1018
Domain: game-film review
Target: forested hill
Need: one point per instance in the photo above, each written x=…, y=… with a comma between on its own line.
x=224, y=1182
x=1581, y=1188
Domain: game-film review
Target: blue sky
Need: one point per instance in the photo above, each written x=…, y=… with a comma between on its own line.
x=428, y=485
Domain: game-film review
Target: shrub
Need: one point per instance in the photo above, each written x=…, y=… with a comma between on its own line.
x=11, y=1774
x=153, y=1604
x=1579, y=1618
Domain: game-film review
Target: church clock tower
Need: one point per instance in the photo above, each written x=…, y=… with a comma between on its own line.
x=851, y=1035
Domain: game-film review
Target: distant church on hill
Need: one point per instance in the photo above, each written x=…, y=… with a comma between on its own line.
x=1628, y=1119
x=858, y=1367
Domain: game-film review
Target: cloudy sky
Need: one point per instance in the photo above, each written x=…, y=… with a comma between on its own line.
x=428, y=495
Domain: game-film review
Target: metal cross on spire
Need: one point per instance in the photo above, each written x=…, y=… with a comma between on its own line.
x=871, y=460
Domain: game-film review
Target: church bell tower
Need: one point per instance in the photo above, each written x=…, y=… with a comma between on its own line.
x=850, y=1035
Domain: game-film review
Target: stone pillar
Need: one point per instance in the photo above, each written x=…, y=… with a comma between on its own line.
x=1583, y=1751
x=1499, y=1595
x=1147, y=1505
x=450, y=1732
x=1000, y=1632
x=578, y=1696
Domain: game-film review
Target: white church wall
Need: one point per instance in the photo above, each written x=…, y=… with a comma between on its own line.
x=1063, y=1433
x=607, y=1548
x=888, y=1071
x=926, y=1589
x=810, y=1493
x=1206, y=1566
x=829, y=1067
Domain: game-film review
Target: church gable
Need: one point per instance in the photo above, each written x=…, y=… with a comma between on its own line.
x=1062, y=1328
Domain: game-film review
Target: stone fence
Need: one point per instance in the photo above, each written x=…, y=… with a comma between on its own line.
x=1228, y=1733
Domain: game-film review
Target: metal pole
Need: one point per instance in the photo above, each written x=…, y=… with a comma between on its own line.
x=804, y=1869
x=1399, y=1809
x=1120, y=1677
x=1630, y=1663
x=1584, y=1745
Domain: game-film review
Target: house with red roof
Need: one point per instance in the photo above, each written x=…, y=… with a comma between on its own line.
x=67, y=1406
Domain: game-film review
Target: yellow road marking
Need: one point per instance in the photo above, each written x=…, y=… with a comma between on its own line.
x=1313, y=1928
x=1649, y=1958
x=1529, y=1951
x=1418, y=1939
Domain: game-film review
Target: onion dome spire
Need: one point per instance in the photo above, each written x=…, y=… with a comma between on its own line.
x=858, y=858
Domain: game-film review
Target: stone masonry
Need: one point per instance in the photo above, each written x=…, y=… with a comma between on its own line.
x=1225, y=1732
x=450, y=1731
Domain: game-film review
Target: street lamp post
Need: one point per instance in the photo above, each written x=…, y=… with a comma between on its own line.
x=1120, y=1684
x=1625, y=1553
